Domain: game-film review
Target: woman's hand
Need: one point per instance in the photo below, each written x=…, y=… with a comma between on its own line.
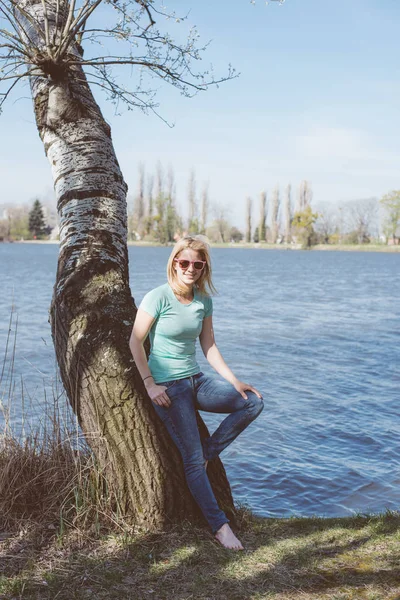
x=158, y=395
x=240, y=387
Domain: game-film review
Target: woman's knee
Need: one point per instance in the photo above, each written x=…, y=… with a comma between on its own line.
x=255, y=403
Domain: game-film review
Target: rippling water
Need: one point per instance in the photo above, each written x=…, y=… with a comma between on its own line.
x=317, y=332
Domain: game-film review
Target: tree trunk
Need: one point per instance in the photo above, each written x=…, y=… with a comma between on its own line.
x=248, y=219
x=274, y=215
x=92, y=310
x=287, y=214
x=263, y=217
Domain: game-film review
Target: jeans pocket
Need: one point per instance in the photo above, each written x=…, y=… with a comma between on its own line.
x=169, y=384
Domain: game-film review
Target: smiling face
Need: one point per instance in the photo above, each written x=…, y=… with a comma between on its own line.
x=187, y=277
x=182, y=280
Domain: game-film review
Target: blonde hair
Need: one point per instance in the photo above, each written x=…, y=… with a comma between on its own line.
x=204, y=283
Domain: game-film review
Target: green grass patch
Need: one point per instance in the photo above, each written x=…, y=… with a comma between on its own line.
x=319, y=559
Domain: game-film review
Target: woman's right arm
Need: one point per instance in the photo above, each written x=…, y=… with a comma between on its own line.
x=140, y=331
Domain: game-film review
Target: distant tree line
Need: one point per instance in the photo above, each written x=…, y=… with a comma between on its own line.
x=24, y=222
x=154, y=216
x=354, y=222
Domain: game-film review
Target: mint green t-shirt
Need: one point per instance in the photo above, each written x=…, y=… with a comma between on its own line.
x=175, y=330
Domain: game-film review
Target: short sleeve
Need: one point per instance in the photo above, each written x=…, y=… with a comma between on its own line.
x=208, y=306
x=152, y=302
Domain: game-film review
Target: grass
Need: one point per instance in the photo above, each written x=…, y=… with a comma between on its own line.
x=47, y=471
x=63, y=538
x=335, y=559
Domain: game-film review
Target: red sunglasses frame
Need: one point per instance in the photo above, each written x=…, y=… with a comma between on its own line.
x=191, y=262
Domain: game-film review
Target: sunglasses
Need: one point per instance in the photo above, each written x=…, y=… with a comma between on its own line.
x=184, y=264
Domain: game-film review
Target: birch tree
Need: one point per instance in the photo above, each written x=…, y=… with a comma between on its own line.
x=92, y=311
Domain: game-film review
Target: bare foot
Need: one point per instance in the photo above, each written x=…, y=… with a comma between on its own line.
x=227, y=538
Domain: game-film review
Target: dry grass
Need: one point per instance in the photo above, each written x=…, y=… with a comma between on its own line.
x=48, y=476
x=48, y=482
x=295, y=559
x=36, y=476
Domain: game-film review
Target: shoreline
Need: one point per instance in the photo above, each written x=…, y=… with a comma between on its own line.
x=255, y=246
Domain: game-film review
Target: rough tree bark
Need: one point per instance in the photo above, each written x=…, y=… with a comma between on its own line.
x=92, y=310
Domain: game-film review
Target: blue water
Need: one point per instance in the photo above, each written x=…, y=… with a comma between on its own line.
x=317, y=332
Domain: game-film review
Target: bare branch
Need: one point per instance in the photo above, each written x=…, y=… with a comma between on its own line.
x=56, y=21
x=13, y=48
x=146, y=8
x=46, y=28
x=7, y=76
x=9, y=18
x=131, y=99
x=4, y=95
x=71, y=30
x=49, y=35
x=16, y=24
x=7, y=34
x=70, y=17
x=107, y=61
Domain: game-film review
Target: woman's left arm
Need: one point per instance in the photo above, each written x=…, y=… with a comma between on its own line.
x=214, y=357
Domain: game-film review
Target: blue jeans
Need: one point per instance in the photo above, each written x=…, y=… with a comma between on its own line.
x=212, y=395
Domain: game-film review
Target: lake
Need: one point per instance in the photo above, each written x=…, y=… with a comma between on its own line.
x=317, y=332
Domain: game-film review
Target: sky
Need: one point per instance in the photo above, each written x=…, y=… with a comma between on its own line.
x=317, y=99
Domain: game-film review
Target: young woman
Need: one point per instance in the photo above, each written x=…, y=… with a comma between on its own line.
x=175, y=315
